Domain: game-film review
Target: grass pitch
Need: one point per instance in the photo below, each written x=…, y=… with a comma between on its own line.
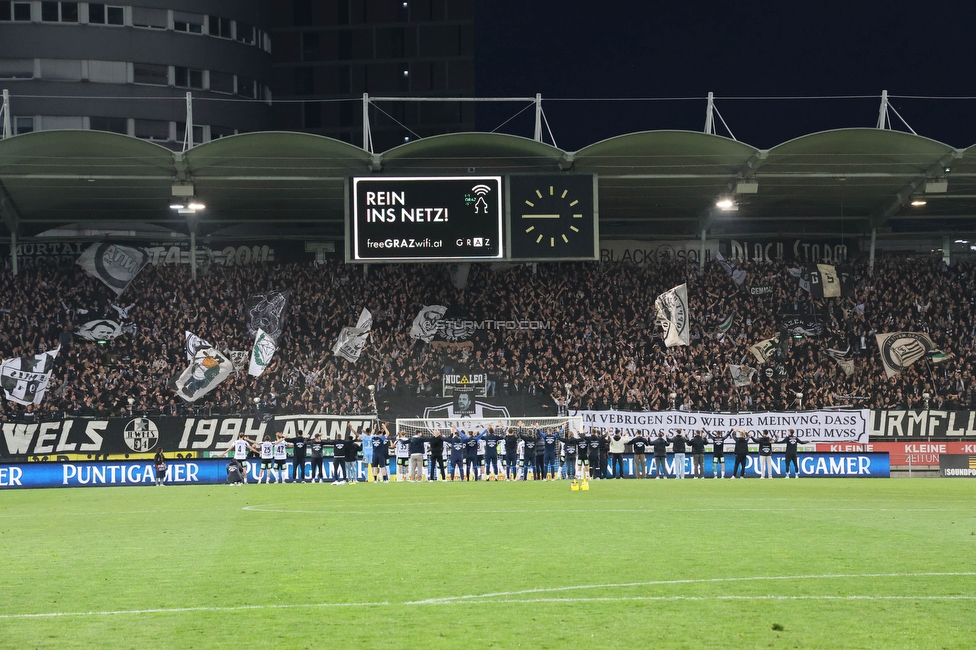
x=849, y=563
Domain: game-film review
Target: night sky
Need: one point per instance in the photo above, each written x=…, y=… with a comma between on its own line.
x=626, y=49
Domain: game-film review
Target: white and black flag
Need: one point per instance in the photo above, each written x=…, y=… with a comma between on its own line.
x=99, y=330
x=206, y=370
x=672, y=313
x=765, y=350
x=424, y=326
x=114, y=265
x=267, y=311
x=351, y=340
x=741, y=375
x=193, y=344
x=840, y=356
x=25, y=379
x=901, y=349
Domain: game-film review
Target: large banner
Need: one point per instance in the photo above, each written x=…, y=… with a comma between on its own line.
x=923, y=424
x=227, y=253
x=917, y=454
x=652, y=252
x=812, y=465
x=796, y=250
x=88, y=439
x=812, y=426
x=403, y=405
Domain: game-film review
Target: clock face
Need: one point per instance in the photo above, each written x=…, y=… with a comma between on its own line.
x=552, y=217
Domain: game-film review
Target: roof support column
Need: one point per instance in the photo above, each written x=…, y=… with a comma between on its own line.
x=701, y=253
x=11, y=219
x=538, y=117
x=193, y=221
x=5, y=111
x=13, y=251
x=874, y=241
x=946, y=249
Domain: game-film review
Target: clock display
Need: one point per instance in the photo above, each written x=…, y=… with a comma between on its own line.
x=553, y=217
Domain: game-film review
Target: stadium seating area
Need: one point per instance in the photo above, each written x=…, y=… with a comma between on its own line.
x=603, y=340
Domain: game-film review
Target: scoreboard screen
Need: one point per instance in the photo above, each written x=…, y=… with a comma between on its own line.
x=415, y=219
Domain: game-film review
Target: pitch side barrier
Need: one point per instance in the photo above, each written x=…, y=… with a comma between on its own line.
x=209, y=471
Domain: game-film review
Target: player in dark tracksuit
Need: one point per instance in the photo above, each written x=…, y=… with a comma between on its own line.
x=540, y=451
x=741, y=451
x=791, y=440
x=660, y=445
x=765, y=442
x=339, y=459
x=697, y=444
x=315, y=446
x=594, y=443
x=571, y=445
x=530, y=441
x=436, y=455
x=457, y=456
x=491, y=440
x=639, y=444
x=511, y=456
x=718, y=453
x=298, y=445
x=550, y=466
x=471, y=465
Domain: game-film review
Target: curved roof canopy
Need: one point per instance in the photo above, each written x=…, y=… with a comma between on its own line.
x=652, y=184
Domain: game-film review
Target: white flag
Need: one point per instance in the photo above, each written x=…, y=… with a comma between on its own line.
x=25, y=379
x=264, y=348
x=99, y=330
x=351, y=340
x=741, y=375
x=672, y=311
x=829, y=281
x=207, y=369
x=425, y=324
x=193, y=344
x=114, y=265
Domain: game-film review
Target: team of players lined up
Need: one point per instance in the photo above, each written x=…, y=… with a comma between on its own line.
x=506, y=453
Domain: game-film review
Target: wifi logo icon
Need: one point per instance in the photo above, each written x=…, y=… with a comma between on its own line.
x=481, y=190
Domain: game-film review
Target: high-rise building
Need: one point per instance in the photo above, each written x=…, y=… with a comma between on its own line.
x=328, y=53
x=127, y=68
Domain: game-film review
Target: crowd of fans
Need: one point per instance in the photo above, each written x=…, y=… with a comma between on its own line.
x=602, y=340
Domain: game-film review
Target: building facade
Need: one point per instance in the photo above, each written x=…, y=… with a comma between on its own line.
x=126, y=68
x=328, y=53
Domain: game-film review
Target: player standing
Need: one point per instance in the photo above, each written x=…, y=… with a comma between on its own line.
x=741, y=451
x=791, y=440
x=765, y=454
x=280, y=457
x=511, y=455
x=241, y=447
x=491, y=442
x=718, y=453
x=381, y=454
x=315, y=447
x=639, y=444
x=267, y=458
x=660, y=445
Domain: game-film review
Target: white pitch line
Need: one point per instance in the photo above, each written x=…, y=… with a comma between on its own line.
x=463, y=511
x=506, y=596
x=180, y=610
x=650, y=583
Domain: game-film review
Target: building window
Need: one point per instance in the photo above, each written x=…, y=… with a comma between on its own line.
x=303, y=81
x=61, y=69
x=16, y=68
x=152, y=129
x=217, y=132
x=189, y=78
x=222, y=82
x=150, y=73
x=219, y=26
x=181, y=133
x=24, y=125
x=6, y=14
x=245, y=87
x=245, y=33
x=22, y=11
x=149, y=18
x=110, y=124
x=109, y=72
x=100, y=14
x=186, y=22
x=64, y=12
x=313, y=115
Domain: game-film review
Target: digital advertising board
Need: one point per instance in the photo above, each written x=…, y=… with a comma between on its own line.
x=425, y=218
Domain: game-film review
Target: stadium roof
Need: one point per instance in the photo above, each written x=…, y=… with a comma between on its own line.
x=652, y=184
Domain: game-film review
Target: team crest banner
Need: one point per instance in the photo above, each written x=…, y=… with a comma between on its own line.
x=194, y=344
x=264, y=348
x=901, y=349
x=765, y=350
x=114, y=265
x=672, y=311
x=207, y=369
x=25, y=379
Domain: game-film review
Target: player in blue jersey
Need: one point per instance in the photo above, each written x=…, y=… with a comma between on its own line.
x=471, y=466
x=491, y=440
